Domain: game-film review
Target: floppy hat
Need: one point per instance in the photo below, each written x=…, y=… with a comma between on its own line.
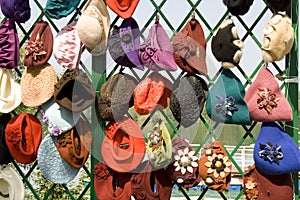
x=265, y=100
x=10, y=47
x=189, y=47
x=60, y=8
x=11, y=185
x=93, y=27
x=275, y=152
x=156, y=52
x=123, y=146
x=260, y=186
x=37, y=85
x=278, y=38
x=123, y=8
x=5, y=156
x=279, y=5
x=74, y=91
x=188, y=98
x=238, y=7
x=225, y=101
x=52, y=166
x=17, y=10
x=67, y=47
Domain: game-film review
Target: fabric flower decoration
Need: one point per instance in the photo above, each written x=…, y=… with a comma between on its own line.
x=226, y=105
x=35, y=48
x=101, y=171
x=218, y=164
x=270, y=152
x=250, y=188
x=185, y=161
x=267, y=100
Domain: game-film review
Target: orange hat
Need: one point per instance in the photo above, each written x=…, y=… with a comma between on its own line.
x=123, y=8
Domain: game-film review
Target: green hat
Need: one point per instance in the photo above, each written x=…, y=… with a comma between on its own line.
x=225, y=102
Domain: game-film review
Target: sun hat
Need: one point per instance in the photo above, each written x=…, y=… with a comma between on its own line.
x=152, y=93
x=189, y=47
x=17, y=10
x=123, y=8
x=279, y=5
x=10, y=91
x=238, y=7
x=52, y=166
x=275, y=152
x=10, y=47
x=11, y=185
x=116, y=97
x=60, y=8
x=188, y=98
x=260, y=186
x=74, y=91
x=37, y=85
x=67, y=47
x=156, y=52
x=265, y=100
x=226, y=45
x=225, y=101
x=93, y=27
x=5, y=156
x=278, y=38
x=23, y=135
x=123, y=146
x=215, y=166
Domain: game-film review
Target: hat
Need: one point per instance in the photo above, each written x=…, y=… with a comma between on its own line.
x=116, y=97
x=238, y=7
x=123, y=8
x=74, y=91
x=188, y=98
x=156, y=52
x=11, y=185
x=123, y=146
x=265, y=100
x=105, y=179
x=225, y=102
x=278, y=38
x=58, y=119
x=5, y=156
x=279, y=5
x=10, y=91
x=67, y=47
x=260, y=186
x=93, y=27
x=152, y=93
x=17, y=10
x=189, y=47
x=52, y=166
x=23, y=135
x=37, y=85
x=184, y=170
x=10, y=47
x=40, y=45
x=215, y=166
x=275, y=152
x=60, y=8
x=226, y=45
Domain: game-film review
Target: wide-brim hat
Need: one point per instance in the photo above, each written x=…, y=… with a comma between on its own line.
x=239, y=7
x=279, y=5
x=18, y=11
x=60, y=8
x=123, y=8
x=37, y=85
x=5, y=156
x=52, y=166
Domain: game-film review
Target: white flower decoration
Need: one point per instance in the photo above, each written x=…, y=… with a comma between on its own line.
x=185, y=161
x=218, y=164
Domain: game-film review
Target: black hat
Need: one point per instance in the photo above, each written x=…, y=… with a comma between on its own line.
x=5, y=156
x=238, y=7
x=279, y=5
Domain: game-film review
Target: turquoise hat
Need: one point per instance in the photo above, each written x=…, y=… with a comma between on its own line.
x=60, y=8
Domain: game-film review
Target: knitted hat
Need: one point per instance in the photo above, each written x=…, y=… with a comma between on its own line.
x=23, y=135
x=226, y=45
x=67, y=47
x=188, y=99
x=215, y=167
x=156, y=52
x=40, y=45
x=260, y=186
x=265, y=100
x=10, y=47
x=123, y=146
x=225, y=102
x=5, y=156
x=116, y=97
x=93, y=27
x=275, y=152
x=74, y=90
x=17, y=10
x=152, y=93
x=60, y=8
x=123, y=8
x=279, y=5
x=37, y=85
x=278, y=38
x=190, y=48
x=238, y=7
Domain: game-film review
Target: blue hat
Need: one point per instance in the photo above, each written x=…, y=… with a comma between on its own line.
x=60, y=8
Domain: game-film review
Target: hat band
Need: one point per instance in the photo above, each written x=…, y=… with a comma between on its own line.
x=122, y=148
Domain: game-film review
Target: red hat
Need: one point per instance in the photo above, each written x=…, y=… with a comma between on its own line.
x=23, y=135
x=123, y=8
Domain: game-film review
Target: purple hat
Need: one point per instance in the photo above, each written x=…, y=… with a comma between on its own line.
x=9, y=43
x=17, y=10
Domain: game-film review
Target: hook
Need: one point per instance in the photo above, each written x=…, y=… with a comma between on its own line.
x=193, y=14
x=157, y=18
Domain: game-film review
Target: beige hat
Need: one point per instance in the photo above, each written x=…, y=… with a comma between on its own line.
x=278, y=38
x=93, y=27
x=10, y=91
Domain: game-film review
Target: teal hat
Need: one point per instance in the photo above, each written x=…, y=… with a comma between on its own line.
x=225, y=102
x=60, y=8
